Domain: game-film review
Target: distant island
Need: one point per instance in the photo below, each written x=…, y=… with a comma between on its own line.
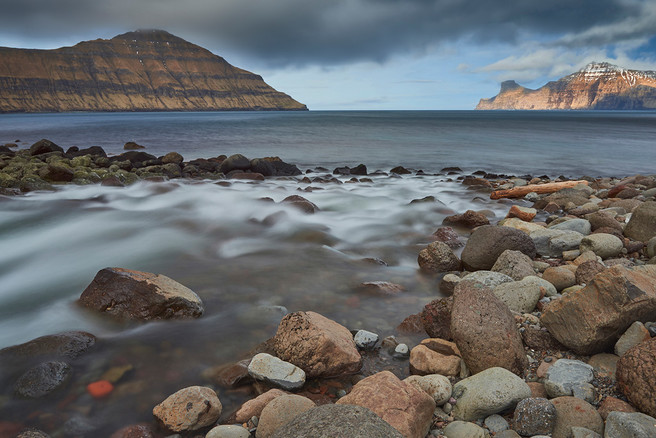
x=598, y=86
x=148, y=70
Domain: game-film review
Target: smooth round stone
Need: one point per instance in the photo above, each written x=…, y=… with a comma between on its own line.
x=534, y=416
x=564, y=374
x=496, y=423
x=365, y=339
x=464, y=429
x=604, y=245
x=437, y=386
x=228, y=431
x=630, y=425
x=579, y=225
x=42, y=379
x=271, y=369
x=402, y=350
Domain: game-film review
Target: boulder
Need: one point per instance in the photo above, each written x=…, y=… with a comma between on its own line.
x=62, y=345
x=263, y=167
x=407, y=408
x=317, y=345
x=301, y=203
x=514, y=264
x=469, y=219
x=44, y=146
x=329, y=421
x=365, y=340
x=603, y=219
x=449, y=236
x=424, y=361
x=269, y=368
x=132, y=146
x=42, y=379
x=603, y=245
x=281, y=411
x=534, y=416
x=491, y=391
x=488, y=242
x=591, y=320
x=560, y=277
x=253, y=407
x=566, y=196
x=95, y=151
x=189, y=409
x=642, y=225
x=634, y=335
x=574, y=412
x=172, y=157
x=436, y=318
x=235, y=162
x=129, y=294
x=484, y=330
x=581, y=226
x=630, y=425
x=636, y=376
x=56, y=172
x=552, y=243
x=612, y=404
x=586, y=271
x=436, y=385
x=564, y=375
x=437, y=257
x=520, y=296
x=488, y=278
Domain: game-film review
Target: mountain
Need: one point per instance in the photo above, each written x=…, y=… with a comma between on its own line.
x=599, y=86
x=137, y=71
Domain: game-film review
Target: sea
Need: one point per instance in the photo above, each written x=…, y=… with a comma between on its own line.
x=252, y=261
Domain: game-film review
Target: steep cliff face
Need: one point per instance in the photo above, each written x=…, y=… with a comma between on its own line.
x=137, y=71
x=599, y=86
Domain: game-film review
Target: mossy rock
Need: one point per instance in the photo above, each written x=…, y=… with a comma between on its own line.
x=33, y=183
x=102, y=161
x=82, y=161
x=8, y=181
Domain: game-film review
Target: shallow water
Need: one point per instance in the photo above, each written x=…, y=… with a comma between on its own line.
x=215, y=240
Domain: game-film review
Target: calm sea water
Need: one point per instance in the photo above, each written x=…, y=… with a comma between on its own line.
x=572, y=143
x=248, y=271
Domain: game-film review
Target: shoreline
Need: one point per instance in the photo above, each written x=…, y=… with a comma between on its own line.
x=571, y=207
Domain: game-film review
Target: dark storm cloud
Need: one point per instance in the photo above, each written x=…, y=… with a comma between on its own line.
x=300, y=32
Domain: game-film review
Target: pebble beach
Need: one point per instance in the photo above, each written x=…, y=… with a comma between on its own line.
x=535, y=317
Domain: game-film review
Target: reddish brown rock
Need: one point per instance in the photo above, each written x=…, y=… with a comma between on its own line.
x=484, y=330
x=233, y=374
x=642, y=225
x=540, y=340
x=636, y=376
x=437, y=257
x=575, y=412
x=611, y=404
x=449, y=236
x=602, y=219
x=523, y=213
x=411, y=324
x=591, y=320
x=586, y=271
x=604, y=364
x=407, y=408
x=380, y=288
x=469, y=219
x=560, y=277
x=189, y=409
x=254, y=406
x=280, y=411
x=537, y=390
x=301, y=203
x=128, y=294
x=317, y=345
x=488, y=242
x=135, y=431
x=424, y=361
x=436, y=318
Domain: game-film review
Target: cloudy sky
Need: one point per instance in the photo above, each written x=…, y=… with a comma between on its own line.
x=368, y=54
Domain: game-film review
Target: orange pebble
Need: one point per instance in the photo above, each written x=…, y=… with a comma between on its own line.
x=100, y=389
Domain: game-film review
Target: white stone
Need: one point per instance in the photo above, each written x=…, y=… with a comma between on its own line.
x=269, y=368
x=365, y=339
x=437, y=386
x=228, y=431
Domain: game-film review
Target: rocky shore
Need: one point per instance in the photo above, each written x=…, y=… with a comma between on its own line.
x=542, y=324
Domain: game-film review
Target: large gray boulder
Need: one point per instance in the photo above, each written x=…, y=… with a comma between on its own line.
x=642, y=225
x=488, y=242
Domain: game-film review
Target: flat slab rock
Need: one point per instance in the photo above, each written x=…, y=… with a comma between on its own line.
x=137, y=295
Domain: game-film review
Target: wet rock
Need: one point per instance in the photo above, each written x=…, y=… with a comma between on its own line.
x=469, y=219
x=436, y=318
x=519, y=296
x=360, y=169
x=228, y=431
x=135, y=431
x=94, y=151
x=574, y=412
x=129, y=294
x=42, y=379
x=634, y=335
x=411, y=324
x=36, y=433
x=62, y=345
x=437, y=257
x=235, y=162
x=436, y=385
x=630, y=425
x=464, y=429
x=448, y=283
x=172, y=157
x=560, y=277
x=33, y=184
x=338, y=420
x=254, y=407
x=301, y=203
x=281, y=168
x=365, y=340
x=43, y=147
x=449, y=236
x=514, y=264
x=269, y=368
x=281, y=411
x=584, y=321
x=586, y=271
x=642, y=225
x=400, y=170
x=263, y=167
x=491, y=391
x=405, y=407
x=317, y=345
x=603, y=245
x=636, y=377
x=380, y=288
x=425, y=361
x=56, y=172
x=488, y=242
x=534, y=416
x=132, y=146
x=612, y=404
x=189, y=409
x=484, y=330
x=564, y=374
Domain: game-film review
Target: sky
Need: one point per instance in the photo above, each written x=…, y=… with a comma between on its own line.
x=368, y=54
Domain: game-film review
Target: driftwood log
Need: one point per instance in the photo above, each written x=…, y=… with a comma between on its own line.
x=518, y=192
